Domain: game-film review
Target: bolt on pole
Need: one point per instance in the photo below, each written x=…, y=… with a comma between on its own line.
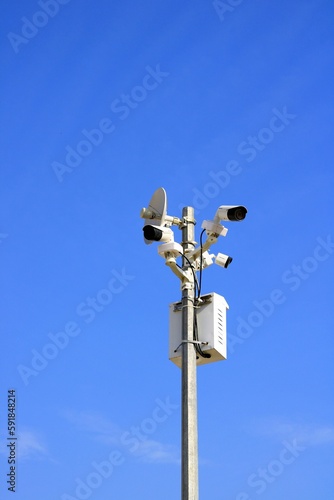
x=189, y=480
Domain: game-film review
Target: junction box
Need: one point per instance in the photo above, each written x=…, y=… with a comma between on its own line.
x=211, y=328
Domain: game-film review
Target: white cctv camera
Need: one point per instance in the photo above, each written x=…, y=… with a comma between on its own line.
x=223, y=260
x=157, y=233
x=231, y=212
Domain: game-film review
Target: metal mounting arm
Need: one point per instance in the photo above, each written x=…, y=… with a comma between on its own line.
x=171, y=262
x=170, y=251
x=213, y=231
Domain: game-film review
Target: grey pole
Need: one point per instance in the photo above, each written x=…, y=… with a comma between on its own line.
x=189, y=478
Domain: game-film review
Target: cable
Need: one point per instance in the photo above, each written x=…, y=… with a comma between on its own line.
x=198, y=286
x=198, y=346
x=195, y=277
x=201, y=264
x=194, y=274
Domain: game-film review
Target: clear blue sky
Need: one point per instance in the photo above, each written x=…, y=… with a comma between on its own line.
x=219, y=103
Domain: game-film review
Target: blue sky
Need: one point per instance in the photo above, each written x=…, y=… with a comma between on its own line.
x=219, y=103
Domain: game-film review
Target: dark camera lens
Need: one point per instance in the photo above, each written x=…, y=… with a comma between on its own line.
x=237, y=213
x=152, y=233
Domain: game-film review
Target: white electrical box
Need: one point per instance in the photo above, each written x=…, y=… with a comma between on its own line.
x=211, y=329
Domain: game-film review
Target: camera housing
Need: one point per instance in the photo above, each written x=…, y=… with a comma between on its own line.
x=223, y=260
x=157, y=233
x=231, y=212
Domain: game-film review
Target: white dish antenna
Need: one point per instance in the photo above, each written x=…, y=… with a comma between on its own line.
x=156, y=212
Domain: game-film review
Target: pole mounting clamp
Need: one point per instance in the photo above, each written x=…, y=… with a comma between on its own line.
x=187, y=285
x=190, y=342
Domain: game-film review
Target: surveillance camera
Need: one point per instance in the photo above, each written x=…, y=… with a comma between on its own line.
x=231, y=212
x=157, y=233
x=223, y=260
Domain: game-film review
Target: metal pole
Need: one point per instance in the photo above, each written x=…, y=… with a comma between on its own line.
x=189, y=478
